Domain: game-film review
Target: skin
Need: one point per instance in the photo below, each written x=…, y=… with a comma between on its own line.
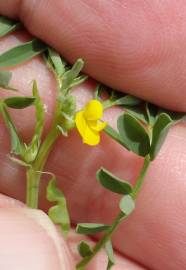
x=138, y=47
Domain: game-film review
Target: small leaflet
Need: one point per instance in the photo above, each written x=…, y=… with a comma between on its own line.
x=22, y=53
x=16, y=145
x=58, y=213
x=5, y=78
x=113, y=183
x=159, y=133
x=133, y=134
x=7, y=26
x=19, y=102
x=84, y=249
x=110, y=254
x=127, y=205
x=91, y=228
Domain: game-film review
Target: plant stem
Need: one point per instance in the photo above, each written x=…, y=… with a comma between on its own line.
x=32, y=192
x=141, y=177
x=45, y=148
x=101, y=243
x=34, y=173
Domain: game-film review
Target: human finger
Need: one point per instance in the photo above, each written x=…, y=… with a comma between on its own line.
x=134, y=46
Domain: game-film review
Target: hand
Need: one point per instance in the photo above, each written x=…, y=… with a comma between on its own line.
x=134, y=45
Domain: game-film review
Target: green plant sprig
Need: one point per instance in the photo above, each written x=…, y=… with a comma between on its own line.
x=127, y=205
x=35, y=154
x=142, y=128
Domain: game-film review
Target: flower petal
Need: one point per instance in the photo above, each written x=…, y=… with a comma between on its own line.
x=91, y=137
x=93, y=110
x=97, y=126
x=81, y=123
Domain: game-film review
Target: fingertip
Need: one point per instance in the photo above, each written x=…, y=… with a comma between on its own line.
x=29, y=240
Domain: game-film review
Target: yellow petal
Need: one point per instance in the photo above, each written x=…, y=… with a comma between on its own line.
x=91, y=137
x=97, y=126
x=93, y=110
x=88, y=135
x=81, y=123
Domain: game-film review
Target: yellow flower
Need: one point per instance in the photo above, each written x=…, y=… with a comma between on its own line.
x=88, y=122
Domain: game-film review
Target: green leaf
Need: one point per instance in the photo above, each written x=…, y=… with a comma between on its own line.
x=127, y=205
x=32, y=149
x=117, y=98
x=90, y=228
x=57, y=63
x=152, y=111
x=16, y=145
x=84, y=249
x=79, y=80
x=133, y=134
x=5, y=77
x=110, y=254
x=100, y=88
x=58, y=213
x=139, y=112
x=113, y=183
x=7, y=26
x=127, y=100
x=159, y=133
x=71, y=75
x=22, y=53
x=175, y=116
x=114, y=135
x=40, y=112
x=19, y=102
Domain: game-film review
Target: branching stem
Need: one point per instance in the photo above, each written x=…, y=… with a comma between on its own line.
x=108, y=234
x=33, y=173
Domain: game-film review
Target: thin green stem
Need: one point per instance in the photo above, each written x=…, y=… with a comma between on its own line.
x=81, y=265
x=33, y=174
x=141, y=177
x=32, y=192
x=101, y=243
x=45, y=148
